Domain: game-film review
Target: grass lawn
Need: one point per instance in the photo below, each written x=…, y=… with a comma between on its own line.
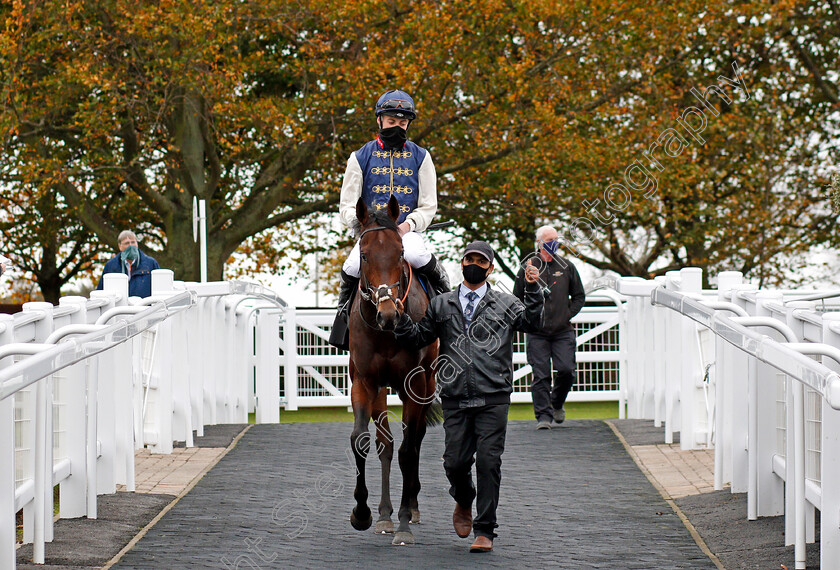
x=574, y=410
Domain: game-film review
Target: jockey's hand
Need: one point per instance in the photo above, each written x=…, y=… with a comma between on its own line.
x=399, y=305
x=532, y=274
x=404, y=228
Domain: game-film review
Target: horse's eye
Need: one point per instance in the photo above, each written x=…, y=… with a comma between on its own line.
x=363, y=256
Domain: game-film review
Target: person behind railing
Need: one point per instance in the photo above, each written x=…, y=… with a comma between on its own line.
x=134, y=263
x=389, y=165
x=475, y=325
x=555, y=341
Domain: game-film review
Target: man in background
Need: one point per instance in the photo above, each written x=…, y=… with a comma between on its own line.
x=554, y=342
x=134, y=263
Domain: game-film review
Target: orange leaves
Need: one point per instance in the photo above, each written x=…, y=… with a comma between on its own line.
x=527, y=109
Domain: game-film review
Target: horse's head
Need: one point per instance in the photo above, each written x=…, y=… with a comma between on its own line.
x=381, y=251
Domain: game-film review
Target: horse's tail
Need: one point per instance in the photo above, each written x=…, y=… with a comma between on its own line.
x=434, y=413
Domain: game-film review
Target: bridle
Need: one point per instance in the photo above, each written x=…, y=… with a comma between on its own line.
x=383, y=292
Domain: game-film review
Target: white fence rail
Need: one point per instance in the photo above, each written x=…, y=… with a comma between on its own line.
x=316, y=374
x=83, y=384
x=753, y=374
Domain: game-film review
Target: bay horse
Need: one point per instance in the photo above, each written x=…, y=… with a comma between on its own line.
x=377, y=361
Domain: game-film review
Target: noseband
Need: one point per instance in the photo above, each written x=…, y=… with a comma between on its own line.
x=382, y=292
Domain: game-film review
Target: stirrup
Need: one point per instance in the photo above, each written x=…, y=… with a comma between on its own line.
x=436, y=276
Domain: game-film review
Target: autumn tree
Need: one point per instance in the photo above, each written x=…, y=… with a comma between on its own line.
x=745, y=193
x=255, y=106
x=129, y=111
x=66, y=248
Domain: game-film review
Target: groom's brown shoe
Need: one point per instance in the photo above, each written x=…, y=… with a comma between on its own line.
x=462, y=520
x=482, y=544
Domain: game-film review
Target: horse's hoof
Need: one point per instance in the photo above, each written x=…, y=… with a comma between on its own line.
x=384, y=527
x=403, y=538
x=360, y=524
x=415, y=516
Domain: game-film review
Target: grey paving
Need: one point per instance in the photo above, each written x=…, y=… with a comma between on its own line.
x=721, y=519
x=215, y=436
x=85, y=543
x=642, y=432
x=571, y=497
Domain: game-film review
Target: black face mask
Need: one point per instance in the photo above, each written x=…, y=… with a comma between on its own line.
x=474, y=274
x=393, y=137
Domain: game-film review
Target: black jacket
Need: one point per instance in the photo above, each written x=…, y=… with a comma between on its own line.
x=474, y=369
x=565, y=298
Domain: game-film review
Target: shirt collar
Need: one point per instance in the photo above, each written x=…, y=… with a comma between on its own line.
x=462, y=291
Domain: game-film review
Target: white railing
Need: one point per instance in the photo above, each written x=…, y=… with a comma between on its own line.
x=84, y=384
x=316, y=374
x=754, y=374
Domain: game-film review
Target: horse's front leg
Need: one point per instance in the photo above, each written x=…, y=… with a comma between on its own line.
x=385, y=447
x=362, y=399
x=414, y=428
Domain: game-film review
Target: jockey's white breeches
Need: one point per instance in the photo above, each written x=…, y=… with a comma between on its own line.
x=414, y=250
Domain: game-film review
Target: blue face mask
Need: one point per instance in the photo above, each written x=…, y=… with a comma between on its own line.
x=551, y=246
x=131, y=253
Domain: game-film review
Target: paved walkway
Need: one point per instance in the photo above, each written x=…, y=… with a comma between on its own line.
x=281, y=498
x=171, y=474
x=589, y=494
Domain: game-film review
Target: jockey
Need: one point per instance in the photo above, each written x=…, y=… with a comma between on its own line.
x=390, y=165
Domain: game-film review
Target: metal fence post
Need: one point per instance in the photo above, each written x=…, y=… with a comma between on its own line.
x=43, y=448
x=673, y=355
x=660, y=372
x=244, y=377
x=115, y=284
x=8, y=536
x=161, y=380
x=770, y=488
x=789, y=451
x=739, y=393
x=214, y=328
x=268, y=367
x=290, y=358
x=727, y=280
x=197, y=319
x=72, y=495
x=225, y=397
x=93, y=410
x=830, y=458
x=692, y=419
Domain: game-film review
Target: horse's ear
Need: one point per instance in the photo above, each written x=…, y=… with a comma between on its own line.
x=361, y=211
x=394, y=208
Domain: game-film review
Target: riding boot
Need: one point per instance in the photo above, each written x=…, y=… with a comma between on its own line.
x=437, y=277
x=340, y=334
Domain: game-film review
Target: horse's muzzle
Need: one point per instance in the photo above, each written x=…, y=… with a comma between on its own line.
x=387, y=316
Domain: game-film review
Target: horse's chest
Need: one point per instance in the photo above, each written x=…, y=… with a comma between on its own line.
x=387, y=366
